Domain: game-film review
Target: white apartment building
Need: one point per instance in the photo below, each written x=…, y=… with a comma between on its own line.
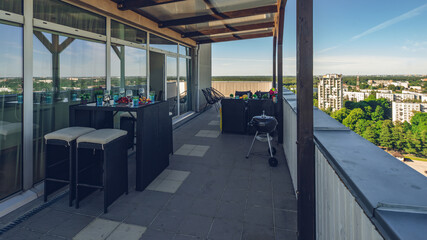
x=330, y=91
x=402, y=111
x=399, y=97
x=355, y=96
x=376, y=90
x=418, y=96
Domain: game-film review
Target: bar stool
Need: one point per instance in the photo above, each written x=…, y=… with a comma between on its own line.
x=101, y=163
x=60, y=159
x=127, y=123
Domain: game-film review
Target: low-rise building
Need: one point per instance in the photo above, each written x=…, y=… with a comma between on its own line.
x=355, y=96
x=402, y=111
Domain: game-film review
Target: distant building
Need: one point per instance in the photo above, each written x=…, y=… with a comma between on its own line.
x=418, y=96
x=355, y=96
x=402, y=111
x=398, y=97
x=376, y=90
x=330, y=91
x=416, y=88
x=386, y=83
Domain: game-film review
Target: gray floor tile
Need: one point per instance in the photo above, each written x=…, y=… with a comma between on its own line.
x=72, y=226
x=142, y=216
x=168, y=221
x=285, y=234
x=20, y=234
x=205, y=207
x=153, y=234
x=235, y=195
x=196, y=225
x=286, y=219
x=260, y=199
x=185, y=237
x=284, y=202
x=234, y=211
x=260, y=216
x=119, y=211
x=255, y=232
x=180, y=203
x=99, y=229
x=223, y=229
x=127, y=231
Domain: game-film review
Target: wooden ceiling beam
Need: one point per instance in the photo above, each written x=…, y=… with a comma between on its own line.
x=132, y=4
x=235, y=37
x=228, y=29
x=222, y=16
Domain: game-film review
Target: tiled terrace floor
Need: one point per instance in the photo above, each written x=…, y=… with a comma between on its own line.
x=214, y=193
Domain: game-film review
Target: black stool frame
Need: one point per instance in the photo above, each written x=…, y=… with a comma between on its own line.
x=59, y=172
x=128, y=124
x=112, y=178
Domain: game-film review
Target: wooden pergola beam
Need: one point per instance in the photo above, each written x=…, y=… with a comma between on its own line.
x=132, y=4
x=228, y=29
x=306, y=166
x=222, y=16
x=236, y=37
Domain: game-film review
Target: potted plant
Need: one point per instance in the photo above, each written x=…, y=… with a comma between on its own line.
x=273, y=94
x=84, y=98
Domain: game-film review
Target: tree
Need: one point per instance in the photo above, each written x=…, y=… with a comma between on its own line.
x=351, y=120
x=341, y=114
x=386, y=135
x=370, y=135
x=378, y=114
x=399, y=136
x=362, y=125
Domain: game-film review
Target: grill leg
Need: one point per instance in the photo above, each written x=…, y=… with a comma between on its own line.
x=250, y=149
x=269, y=144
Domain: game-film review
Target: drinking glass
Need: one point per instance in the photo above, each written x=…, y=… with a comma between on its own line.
x=121, y=92
x=141, y=92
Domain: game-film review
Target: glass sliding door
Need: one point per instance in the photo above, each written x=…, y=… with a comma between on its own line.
x=172, y=85
x=65, y=67
x=184, y=85
x=11, y=101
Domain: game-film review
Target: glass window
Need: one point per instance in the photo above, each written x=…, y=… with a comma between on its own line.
x=65, y=14
x=184, y=85
x=14, y=6
x=124, y=32
x=183, y=50
x=172, y=85
x=65, y=67
x=10, y=109
x=128, y=69
x=162, y=43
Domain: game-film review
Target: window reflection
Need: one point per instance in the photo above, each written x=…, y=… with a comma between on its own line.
x=11, y=102
x=65, y=68
x=162, y=43
x=172, y=85
x=128, y=68
x=184, y=89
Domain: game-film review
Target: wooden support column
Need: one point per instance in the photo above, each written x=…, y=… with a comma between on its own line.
x=305, y=144
x=274, y=60
x=280, y=70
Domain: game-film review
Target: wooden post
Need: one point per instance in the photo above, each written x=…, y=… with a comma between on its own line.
x=305, y=144
x=280, y=70
x=274, y=60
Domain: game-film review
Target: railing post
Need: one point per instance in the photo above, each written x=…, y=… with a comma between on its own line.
x=305, y=144
x=280, y=70
x=274, y=60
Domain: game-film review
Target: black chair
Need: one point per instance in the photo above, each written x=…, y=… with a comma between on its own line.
x=60, y=159
x=218, y=93
x=241, y=93
x=101, y=163
x=127, y=123
x=209, y=99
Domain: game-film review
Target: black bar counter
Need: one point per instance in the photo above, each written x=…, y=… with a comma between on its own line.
x=153, y=133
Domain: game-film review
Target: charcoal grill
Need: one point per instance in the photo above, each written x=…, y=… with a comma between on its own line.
x=264, y=126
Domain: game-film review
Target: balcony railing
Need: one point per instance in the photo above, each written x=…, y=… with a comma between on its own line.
x=362, y=192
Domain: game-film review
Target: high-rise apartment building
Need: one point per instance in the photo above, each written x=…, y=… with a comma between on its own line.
x=330, y=91
x=402, y=111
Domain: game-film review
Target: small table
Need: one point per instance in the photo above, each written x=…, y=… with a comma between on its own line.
x=153, y=133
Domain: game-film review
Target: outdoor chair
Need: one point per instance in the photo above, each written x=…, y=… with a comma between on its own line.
x=209, y=99
x=60, y=159
x=101, y=163
x=218, y=93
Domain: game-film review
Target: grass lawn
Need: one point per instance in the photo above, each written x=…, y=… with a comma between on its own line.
x=415, y=158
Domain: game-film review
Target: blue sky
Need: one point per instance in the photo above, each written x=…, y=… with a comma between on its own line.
x=350, y=37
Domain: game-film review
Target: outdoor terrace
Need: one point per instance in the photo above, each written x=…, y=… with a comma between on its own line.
x=209, y=191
